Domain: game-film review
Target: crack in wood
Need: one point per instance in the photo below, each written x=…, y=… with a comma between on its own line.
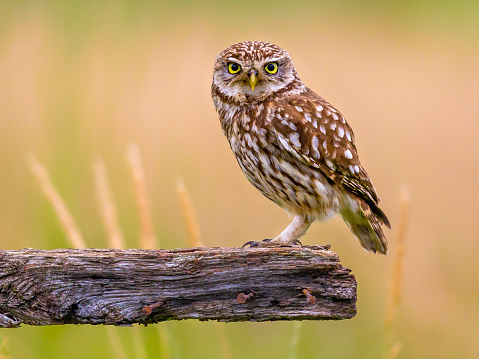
x=124, y=287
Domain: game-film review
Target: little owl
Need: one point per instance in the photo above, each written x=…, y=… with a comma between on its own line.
x=292, y=145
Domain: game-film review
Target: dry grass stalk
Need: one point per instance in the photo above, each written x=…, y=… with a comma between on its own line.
x=138, y=344
x=4, y=352
x=222, y=338
x=394, y=351
x=165, y=346
x=194, y=233
x=69, y=224
x=116, y=344
x=107, y=206
x=66, y=219
x=293, y=344
x=391, y=350
x=115, y=240
x=147, y=235
x=147, y=240
x=194, y=240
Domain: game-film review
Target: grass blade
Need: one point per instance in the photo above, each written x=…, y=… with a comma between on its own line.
x=107, y=206
x=59, y=206
x=147, y=235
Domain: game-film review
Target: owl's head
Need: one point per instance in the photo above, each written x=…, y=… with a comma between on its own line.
x=251, y=71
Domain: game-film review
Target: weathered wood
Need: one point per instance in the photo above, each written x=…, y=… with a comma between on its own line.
x=122, y=287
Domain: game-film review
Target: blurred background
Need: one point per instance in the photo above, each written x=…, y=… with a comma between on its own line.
x=81, y=80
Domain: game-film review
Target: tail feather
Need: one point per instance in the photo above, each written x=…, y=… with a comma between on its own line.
x=381, y=216
x=365, y=223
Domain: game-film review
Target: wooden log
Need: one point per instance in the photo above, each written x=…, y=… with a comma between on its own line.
x=123, y=287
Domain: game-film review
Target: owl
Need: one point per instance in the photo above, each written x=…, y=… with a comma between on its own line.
x=292, y=145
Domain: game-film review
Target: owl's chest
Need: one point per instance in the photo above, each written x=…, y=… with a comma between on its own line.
x=245, y=129
x=247, y=139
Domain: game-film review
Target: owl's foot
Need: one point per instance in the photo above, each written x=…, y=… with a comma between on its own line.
x=268, y=242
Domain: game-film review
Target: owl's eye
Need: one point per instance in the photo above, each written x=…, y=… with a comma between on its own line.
x=271, y=68
x=233, y=68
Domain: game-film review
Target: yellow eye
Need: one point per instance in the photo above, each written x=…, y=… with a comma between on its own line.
x=271, y=68
x=233, y=68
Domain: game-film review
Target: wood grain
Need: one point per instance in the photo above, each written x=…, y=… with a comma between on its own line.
x=123, y=287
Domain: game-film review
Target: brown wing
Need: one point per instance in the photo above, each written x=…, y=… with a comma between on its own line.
x=317, y=134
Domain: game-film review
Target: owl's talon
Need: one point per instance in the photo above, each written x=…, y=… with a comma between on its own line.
x=256, y=244
x=268, y=242
x=251, y=244
x=296, y=242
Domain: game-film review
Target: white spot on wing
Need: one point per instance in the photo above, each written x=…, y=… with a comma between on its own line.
x=348, y=135
x=284, y=143
x=315, y=143
x=248, y=139
x=320, y=188
x=264, y=160
x=340, y=131
x=307, y=116
x=348, y=154
x=322, y=128
x=299, y=109
x=294, y=138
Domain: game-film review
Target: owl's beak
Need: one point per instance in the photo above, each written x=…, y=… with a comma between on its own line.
x=252, y=78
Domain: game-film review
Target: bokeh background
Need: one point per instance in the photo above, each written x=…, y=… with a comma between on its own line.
x=81, y=80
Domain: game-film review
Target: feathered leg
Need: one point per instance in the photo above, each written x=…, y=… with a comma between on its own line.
x=296, y=229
